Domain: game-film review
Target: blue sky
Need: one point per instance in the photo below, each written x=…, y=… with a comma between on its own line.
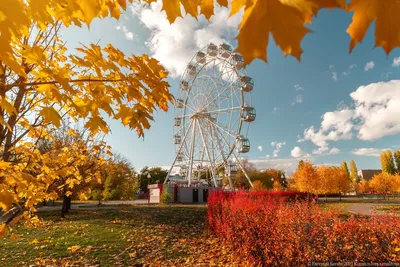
x=290, y=96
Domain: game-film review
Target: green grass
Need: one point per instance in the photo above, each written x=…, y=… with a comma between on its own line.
x=389, y=208
x=126, y=235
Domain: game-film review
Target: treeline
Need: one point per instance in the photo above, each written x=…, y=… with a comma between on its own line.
x=388, y=181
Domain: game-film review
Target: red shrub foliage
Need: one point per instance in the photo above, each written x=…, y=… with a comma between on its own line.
x=269, y=231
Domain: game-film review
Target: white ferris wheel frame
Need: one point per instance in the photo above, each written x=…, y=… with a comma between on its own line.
x=211, y=118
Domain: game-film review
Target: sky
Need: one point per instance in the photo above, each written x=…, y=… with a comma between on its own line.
x=331, y=106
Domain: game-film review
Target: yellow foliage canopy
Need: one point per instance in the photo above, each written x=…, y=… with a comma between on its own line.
x=285, y=20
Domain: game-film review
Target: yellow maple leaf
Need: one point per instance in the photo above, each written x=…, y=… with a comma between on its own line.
x=6, y=200
x=207, y=8
x=172, y=8
x=387, y=22
x=74, y=249
x=284, y=22
x=50, y=115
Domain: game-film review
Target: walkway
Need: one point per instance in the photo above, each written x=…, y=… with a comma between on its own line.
x=367, y=209
x=93, y=205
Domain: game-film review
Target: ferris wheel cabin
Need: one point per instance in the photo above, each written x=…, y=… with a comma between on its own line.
x=238, y=61
x=201, y=57
x=179, y=103
x=177, y=139
x=247, y=83
x=192, y=70
x=184, y=85
x=242, y=144
x=212, y=50
x=248, y=113
x=231, y=170
x=225, y=50
x=177, y=122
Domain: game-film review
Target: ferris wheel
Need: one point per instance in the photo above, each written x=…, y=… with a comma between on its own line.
x=212, y=115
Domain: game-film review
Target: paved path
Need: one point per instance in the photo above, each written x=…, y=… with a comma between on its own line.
x=367, y=209
x=93, y=205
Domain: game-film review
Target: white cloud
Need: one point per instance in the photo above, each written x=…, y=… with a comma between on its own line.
x=372, y=152
x=297, y=152
x=260, y=148
x=345, y=73
x=175, y=44
x=298, y=87
x=335, y=126
x=289, y=165
x=128, y=35
x=299, y=98
x=373, y=114
x=331, y=66
x=267, y=156
x=396, y=62
x=369, y=66
x=352, y=66
x=334, y=76
x=277, y=148
x=334, y=150
x=275, y=109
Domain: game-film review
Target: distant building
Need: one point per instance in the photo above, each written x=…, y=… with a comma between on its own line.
x=368, y=174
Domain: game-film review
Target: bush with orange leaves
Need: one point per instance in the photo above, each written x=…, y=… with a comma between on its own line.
x=269, y=231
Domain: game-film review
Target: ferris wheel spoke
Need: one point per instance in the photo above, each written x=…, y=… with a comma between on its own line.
x=208, y=155
x=224, y=110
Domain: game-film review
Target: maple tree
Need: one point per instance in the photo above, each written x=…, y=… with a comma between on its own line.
x=40, y=84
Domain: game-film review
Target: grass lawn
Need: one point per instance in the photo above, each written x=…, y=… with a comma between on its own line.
x=173, y=235
x=389, y=208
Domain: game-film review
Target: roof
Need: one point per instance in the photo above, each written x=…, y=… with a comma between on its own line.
x=368, y=174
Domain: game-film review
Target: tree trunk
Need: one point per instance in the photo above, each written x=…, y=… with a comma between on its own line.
x=66, y=206
x=340, y=196
x=326, y=198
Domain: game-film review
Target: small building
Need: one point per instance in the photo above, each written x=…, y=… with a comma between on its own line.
x=180, y=192
x=368, y=174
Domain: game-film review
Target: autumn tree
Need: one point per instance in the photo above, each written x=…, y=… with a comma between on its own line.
x=258, y=186
x=383, y=182
x=277, y=186
x=387, y=162
x=151, y=175
x=396, y=156
x=307, y=179
x=354, y=172
x=345, y=169
x=40, y=83
x=364, y=187
x=341, y=181
x=120, y=181
x=76, y=158
x=326, y=176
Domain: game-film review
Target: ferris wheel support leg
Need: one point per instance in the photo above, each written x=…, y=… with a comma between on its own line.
x=179, y=150
x=208, y=156
x=238, y=161
x=224, y=158
x=243, y=170
x=191, y=156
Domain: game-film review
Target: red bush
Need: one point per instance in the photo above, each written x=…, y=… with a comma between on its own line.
x=268, y=230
